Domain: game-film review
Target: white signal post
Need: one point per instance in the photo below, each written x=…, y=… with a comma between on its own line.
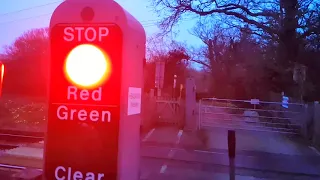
x=133, y=54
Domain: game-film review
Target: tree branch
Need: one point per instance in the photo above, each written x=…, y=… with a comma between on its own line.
x=238, y=15
x=246, y=10
x=201, y=63
x=230, y=9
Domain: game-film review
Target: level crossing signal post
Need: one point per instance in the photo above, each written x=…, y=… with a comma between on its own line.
x=95, y=81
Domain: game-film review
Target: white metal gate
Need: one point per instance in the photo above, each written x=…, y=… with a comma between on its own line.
x=169, y=110
x=251, y=115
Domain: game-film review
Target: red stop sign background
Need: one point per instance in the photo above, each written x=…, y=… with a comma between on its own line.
x=85, y=146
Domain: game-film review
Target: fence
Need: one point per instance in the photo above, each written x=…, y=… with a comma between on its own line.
x=251, y=115
x=164, y=110
x=293, y=118
x=148, y=110
x=169, y=110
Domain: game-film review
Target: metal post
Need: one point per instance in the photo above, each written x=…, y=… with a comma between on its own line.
x=174, y=86
x=232, y=153
x=199, y=116
x=190, y=104
x=316, y=121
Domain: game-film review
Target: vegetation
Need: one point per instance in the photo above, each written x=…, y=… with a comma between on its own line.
x=22, y=105
x=250, y=49
x=26, y=64
x=253, y=46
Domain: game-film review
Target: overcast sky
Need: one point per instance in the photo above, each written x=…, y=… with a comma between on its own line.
x=17, y=16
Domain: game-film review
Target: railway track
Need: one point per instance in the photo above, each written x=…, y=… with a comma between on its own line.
x=11, y=167
x=22, y=133
x=10, y=139
x=13, y=172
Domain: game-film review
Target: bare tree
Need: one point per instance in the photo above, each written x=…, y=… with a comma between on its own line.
x=231, y=56
x=156, y=46
x=278, y=19
x=173, y=54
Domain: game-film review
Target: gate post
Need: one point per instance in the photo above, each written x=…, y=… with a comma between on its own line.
x=190, y=106
x=316, y=121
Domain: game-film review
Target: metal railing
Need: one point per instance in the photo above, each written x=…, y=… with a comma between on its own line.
x=169, y=110
x=251, y=114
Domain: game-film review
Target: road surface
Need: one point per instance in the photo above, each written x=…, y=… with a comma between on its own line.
x=258, y=154
x=191, y=165
x=169, y=153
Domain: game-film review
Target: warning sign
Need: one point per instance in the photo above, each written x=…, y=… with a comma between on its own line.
x=134, y=101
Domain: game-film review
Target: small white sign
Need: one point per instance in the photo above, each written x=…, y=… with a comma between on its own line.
x=285, y=101
x=255, y=101
x=134, y=101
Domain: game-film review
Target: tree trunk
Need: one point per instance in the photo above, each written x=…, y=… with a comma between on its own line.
x=288, y=52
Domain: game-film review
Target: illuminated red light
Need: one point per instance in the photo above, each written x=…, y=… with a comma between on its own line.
x=2, y=77
x=87, y=66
